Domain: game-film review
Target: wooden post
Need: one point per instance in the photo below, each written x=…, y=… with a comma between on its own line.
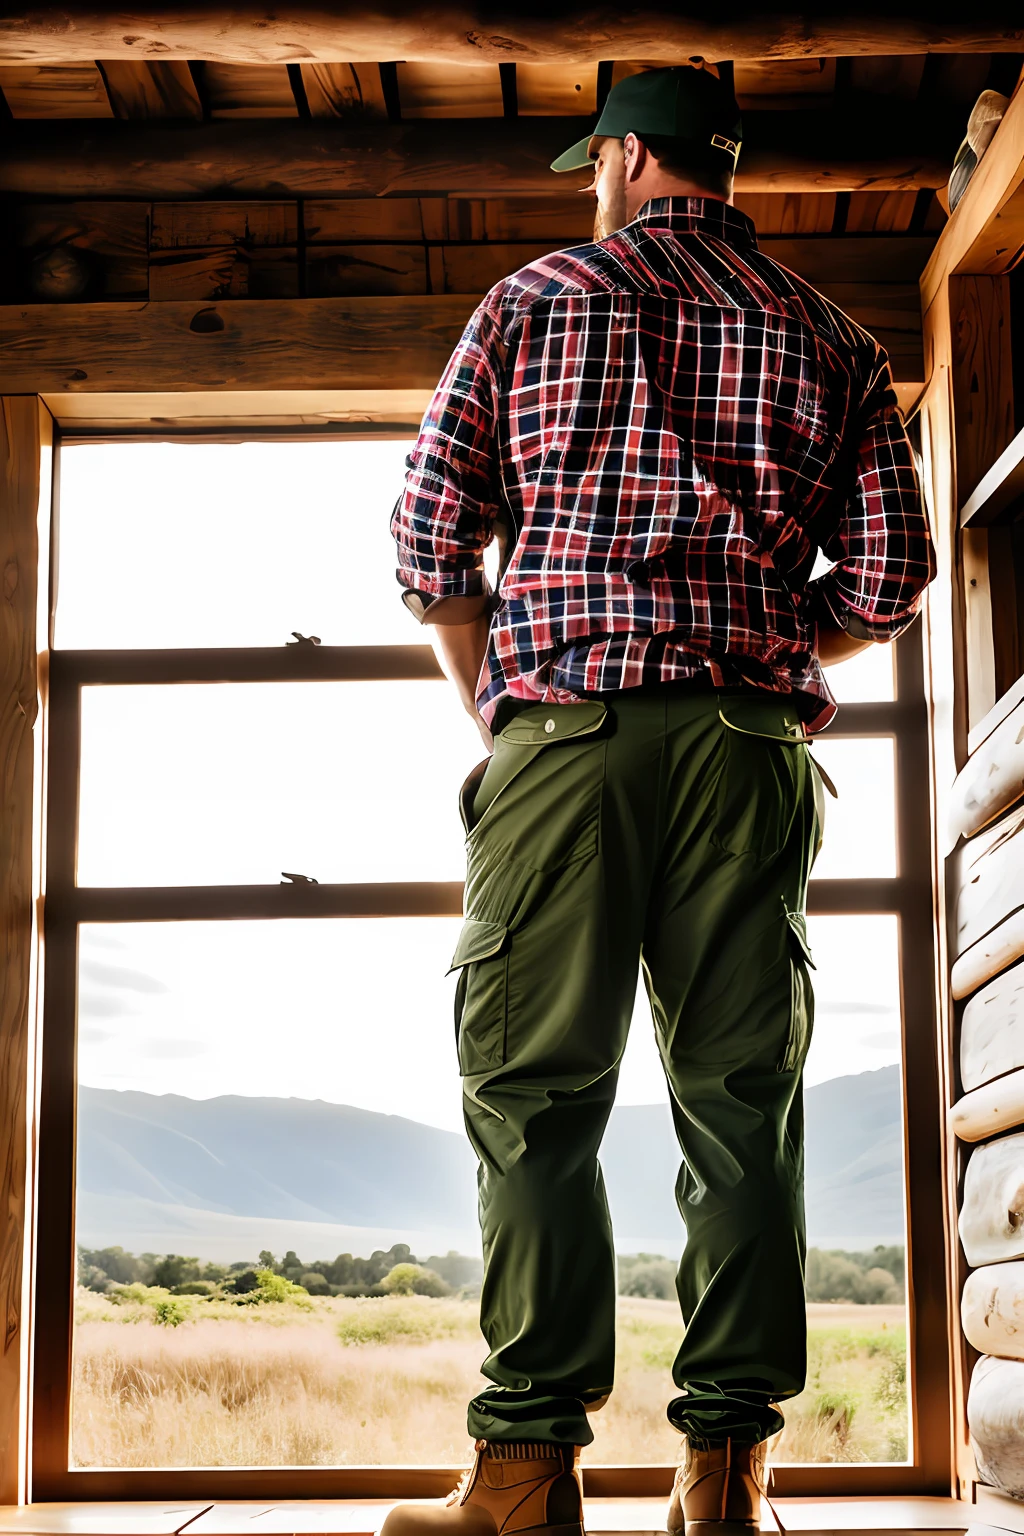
x=25, y=458
x=948, y=742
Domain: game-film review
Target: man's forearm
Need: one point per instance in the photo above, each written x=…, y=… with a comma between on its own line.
x=459, y=630
x=835, y=645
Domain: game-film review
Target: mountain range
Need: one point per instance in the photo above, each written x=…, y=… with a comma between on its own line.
x=224, y=1177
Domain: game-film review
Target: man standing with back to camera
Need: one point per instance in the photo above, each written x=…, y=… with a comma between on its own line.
x=660, y=429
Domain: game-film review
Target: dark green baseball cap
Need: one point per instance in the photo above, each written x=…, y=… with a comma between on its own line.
x=685, y=102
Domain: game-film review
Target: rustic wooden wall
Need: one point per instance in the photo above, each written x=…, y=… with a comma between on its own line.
x=968, y=424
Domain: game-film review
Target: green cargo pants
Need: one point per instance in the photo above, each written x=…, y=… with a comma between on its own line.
x=675, y=831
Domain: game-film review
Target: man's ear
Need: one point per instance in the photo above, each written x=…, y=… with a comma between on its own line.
x=635, y=155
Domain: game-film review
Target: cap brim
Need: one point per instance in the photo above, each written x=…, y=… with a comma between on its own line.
x=578, y=158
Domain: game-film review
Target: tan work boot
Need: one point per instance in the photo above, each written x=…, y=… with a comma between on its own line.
x=512, y=1486
x=717, y=1491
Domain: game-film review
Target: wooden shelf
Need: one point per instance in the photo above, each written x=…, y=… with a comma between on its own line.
x=996, y=715
x=1003, y=483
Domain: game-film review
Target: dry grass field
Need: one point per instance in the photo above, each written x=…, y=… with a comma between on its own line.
x=335, y=1381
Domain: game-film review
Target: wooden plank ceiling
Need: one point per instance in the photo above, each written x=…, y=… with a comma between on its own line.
x=105, y=211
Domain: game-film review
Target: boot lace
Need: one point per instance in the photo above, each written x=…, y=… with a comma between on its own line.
x=459, y=1492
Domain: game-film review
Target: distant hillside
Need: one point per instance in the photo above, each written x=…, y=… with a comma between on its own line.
x=163, y=1171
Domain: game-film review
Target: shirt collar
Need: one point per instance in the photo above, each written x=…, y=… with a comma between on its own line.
x=702, y=215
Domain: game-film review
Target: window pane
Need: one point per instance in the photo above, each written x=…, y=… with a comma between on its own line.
x=860, y=826
x=855, y=1405
x=280, y=1086
x=230, y=544
x=199, y=784
x=867, y=678
x=291, y=1088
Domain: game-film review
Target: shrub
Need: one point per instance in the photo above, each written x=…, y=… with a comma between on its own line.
x=835, y=1410
x=456, y=1269
x=385, y=1319
x=891, y=1388
x=170, y=1311
x=891, y=1259
x=836, y=1276
x=268, y=1287
x=878, y=1285
x=657, y=1279
x=194, y=1288
x=174, y=1270
x=244, y=1283
x=398, y=1281
x=93, y=1279
x=98, y=1267
x=314, y=1282
x=127, y=1295
x=276, y=1287
x=413, y=1280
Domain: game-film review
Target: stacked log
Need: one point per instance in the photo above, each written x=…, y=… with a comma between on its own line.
x=995, y=1411
x=989, y=971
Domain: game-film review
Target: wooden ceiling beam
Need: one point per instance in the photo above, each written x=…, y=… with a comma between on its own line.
x=141, y=89
x=568, y=31
x=821, y=151
x=292, y=344
x=243, y=344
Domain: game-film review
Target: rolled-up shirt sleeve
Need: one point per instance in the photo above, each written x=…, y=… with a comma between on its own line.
x=882, y=546
x=444, y=518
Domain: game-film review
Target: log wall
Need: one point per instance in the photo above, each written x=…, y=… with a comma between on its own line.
x=992, y=780
x=995, y=1412
x=969, y=417
x=992, y=1030
x=992, y=1310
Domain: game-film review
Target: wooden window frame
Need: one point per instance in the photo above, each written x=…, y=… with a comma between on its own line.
x=909, y=896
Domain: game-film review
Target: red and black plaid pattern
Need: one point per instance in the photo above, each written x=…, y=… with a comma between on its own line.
x=662, y=429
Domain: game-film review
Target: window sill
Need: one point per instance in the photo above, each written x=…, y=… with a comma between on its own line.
x=605, y=1517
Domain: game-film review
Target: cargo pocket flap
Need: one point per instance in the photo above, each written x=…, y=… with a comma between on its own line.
x=751, y=717
x=541, y=723
x=798, y=932
x=478, y=941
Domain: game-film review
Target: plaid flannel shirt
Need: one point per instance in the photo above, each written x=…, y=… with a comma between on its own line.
x=662, y=429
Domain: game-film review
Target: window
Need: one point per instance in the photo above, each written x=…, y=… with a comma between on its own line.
x=251, y=1114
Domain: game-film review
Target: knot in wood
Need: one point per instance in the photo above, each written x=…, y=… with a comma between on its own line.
x=206, y=322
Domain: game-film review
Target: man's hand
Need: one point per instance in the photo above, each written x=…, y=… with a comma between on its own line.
x=835, y=645
x=460, y=627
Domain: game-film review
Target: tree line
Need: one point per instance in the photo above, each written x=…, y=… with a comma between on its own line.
x=874, y=1276
x=103, y=1269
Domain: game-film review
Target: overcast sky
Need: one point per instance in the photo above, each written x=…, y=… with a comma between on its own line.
x=170, y=545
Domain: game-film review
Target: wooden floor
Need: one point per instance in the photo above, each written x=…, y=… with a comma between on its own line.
x=990, y=1515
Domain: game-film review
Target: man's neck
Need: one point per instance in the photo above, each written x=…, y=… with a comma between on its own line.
x=668, y=186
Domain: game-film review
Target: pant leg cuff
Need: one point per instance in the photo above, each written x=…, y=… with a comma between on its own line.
x=563, y=1420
